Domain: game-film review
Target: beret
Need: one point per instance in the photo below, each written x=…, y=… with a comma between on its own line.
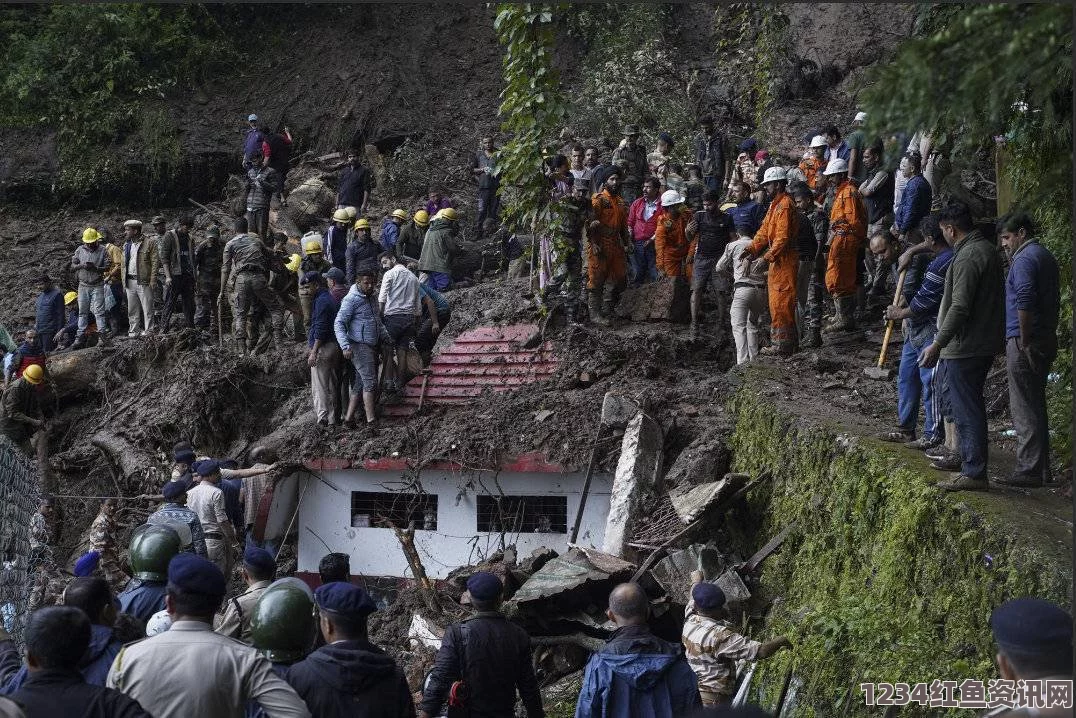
x=208, y=467
x=259, y=559
x=708, y=596
x=193, y=574
x=344, y=599
x=484, y=586
x=174, y=489
x=762, y=155
x=1032, y=625
x=87, y=563
x=183, y=456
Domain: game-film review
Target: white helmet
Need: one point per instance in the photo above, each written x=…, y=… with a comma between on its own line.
x=818, y=141
x=836, y=166
x=775, y=174
x=158, y=623
x=670, y=197
x=860, y=117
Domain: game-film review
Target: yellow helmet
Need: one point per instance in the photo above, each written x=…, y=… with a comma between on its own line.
x=447, y=213
x=90, y=235
x=352, y=213
x=362, y=223
x=33, y=373
x=70, y=297
x=422, y=218
x=341, y=215
x=293, y=263
x=400, y=215
x=312, y=247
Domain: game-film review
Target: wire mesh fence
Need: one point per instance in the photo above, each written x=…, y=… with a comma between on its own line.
x=21, y=552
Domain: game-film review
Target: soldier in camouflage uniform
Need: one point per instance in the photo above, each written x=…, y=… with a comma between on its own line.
x=103, y=540
x=816, y=289
x=208, y=258
x=246, y=267
x=568, y=251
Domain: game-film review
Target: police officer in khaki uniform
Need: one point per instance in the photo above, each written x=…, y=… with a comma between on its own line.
x=191, y=671
x=259, y=568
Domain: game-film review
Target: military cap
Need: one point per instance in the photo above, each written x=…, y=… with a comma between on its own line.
x=133, y=223
x=193, y=574
x=159, y=219
x=334, y=274
x=708, y=596
x=173, y=490
x=259, y=559
x=630, y=130
x=484, y=586
x=1032, y=625
x=87, y=563
x=183, y=456
x=311, y=277
x=344, y=599
x=208, y=467
x=212, y=231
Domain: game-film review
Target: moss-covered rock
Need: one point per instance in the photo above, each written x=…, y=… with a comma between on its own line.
x=885, y=578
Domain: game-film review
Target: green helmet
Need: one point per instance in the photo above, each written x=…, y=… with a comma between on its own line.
x=282, y=625
x=152, y=547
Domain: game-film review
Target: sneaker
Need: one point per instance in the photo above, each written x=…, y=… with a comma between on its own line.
x=1023, y=482
x=938, y=452
x=897, y=437
x=949, y=463
x=923, y=443
x=960, y=482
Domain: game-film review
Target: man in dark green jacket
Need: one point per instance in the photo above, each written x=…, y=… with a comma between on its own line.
x=971, y=331
x=439, y=249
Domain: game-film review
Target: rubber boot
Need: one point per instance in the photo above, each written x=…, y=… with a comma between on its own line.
x=849, y=312
x=594, y=304
x=814, y=338
x=837, y=321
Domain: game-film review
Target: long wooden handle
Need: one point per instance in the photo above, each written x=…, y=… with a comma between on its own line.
x=889, y=324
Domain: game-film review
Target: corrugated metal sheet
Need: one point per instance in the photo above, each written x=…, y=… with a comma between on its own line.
x=480, y=360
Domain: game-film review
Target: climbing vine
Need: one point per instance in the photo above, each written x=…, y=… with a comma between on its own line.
x=532, y=111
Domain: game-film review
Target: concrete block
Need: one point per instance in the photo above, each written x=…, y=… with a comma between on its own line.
x=617, y=411
x=636, y=474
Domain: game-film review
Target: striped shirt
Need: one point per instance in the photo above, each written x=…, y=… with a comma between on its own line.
x=927, y=299
x=712, y=649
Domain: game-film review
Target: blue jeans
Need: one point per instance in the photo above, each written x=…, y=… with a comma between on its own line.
x=915, y=383
x=644, y=263
x=965, y=380
x=440, y=280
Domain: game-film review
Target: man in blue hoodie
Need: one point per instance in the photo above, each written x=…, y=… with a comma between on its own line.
x=349, y=676
x=48, y=312
x=94, y=597
x=636, y=673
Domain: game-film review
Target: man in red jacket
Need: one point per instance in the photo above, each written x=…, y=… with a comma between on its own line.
x=643, y=225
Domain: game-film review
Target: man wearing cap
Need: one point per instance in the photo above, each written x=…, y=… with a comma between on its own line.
x=91, y=260
x=710, y=154
x=857, y=143
x=631, y=158
x=258, y=571
x=139, y=269
x=324, y=355
x=439, y=248
x=252, y=141
x=484, y=170
x=710, y=230
x=48, y=312
x=671, y=242
x=207, y=501
x=643, y=226
x=777, y=238
x=412, y=235
x=246, y=268
x=175, y=514
x=608, y=246
x=191, y=671
x=712, y=647
x=490, y=654
x=208, y=259
x=349, y=677
x=636, y=673
x=1034, y=639
x=177, y=261
x=848, y=235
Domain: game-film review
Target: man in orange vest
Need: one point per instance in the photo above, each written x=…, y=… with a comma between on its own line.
x=671, y=243
x=608, y=247
x=777, y=237
x=848, y=232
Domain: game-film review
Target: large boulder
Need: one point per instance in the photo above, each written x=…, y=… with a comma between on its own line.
x=310, y=205
x=666, y=300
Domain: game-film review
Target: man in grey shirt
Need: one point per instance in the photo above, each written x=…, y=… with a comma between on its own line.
x=91, y=260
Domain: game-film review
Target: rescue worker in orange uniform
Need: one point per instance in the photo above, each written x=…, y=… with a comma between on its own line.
x=777, y=237
x=671, y=243
x=848, y=232
x=814, y=165
x=607, y=249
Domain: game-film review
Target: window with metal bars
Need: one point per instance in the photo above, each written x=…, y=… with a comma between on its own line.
x=523, y=514
x=385, y=510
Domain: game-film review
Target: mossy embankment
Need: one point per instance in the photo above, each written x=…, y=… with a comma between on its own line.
x=884, y=577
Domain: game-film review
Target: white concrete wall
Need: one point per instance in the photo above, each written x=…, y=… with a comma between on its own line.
x=376, y=551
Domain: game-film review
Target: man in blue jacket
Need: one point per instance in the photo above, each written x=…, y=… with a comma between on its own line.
x=48, y=312
x=915, y=201
x=636, y=673
x=359, y=330
x=324, y=356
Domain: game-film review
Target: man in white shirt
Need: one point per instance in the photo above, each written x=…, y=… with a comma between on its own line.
x=401, y=308
x=748, y=295
x=207, y=500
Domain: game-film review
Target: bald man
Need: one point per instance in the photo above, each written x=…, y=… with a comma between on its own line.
x=636, y=673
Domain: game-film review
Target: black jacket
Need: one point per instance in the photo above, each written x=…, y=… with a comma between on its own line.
x=64, y=694
x=498, y=658
x=352, y=679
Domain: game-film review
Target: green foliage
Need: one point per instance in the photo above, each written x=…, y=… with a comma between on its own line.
x=882, y=579
x=758, y=31
x=978, y=71
x=88, y=70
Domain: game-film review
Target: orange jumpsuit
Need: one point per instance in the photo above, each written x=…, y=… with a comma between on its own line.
x=671, y=244
x=811, y=168
x=848, y=225
x=778, y=234
x=608, y=264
